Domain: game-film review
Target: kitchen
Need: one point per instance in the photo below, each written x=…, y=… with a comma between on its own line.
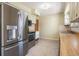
x=17, y=30
x=56, y=27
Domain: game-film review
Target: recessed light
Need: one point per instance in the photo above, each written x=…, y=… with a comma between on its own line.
x=45, y=6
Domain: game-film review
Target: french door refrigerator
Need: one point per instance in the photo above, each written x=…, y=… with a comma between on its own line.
x=13, y=31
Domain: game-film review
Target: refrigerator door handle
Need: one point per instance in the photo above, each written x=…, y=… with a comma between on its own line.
x=11, y=47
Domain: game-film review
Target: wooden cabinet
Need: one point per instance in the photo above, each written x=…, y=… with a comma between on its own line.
x=69, y=44
x=37, y=25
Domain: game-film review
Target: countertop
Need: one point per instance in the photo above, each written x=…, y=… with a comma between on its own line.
x=69, y=43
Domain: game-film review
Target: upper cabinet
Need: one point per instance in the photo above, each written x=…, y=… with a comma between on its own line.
x=74, y=10
x=71, y=12
x=67, y=15
x=32, y=18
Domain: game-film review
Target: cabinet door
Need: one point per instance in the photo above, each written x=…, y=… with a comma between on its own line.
x=73, y=11
x=77, y=9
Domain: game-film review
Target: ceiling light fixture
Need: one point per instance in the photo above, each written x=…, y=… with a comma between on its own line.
x=45, y=6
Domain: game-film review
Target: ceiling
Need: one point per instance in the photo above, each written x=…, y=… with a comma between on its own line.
x=55, y=7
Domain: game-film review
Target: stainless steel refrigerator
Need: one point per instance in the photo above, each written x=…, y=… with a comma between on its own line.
x=14, y=34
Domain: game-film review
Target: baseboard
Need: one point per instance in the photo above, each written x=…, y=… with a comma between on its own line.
x=54, y=38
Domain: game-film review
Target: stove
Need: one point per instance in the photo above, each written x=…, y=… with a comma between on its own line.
x=31, y=36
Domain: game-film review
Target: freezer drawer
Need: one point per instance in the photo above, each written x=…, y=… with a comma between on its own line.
x=10, y=50
x=25, y=48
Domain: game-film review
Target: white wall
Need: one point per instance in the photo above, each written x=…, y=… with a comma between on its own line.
x=49, y=25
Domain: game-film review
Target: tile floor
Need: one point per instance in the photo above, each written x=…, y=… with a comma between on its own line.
x=45, y=47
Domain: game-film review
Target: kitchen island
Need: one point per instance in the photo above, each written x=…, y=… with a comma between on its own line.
x=69, y=43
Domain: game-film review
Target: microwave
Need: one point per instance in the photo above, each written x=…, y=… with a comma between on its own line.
x=29, y=22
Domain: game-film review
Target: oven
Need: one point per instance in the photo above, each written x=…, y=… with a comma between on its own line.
x=31, y=36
